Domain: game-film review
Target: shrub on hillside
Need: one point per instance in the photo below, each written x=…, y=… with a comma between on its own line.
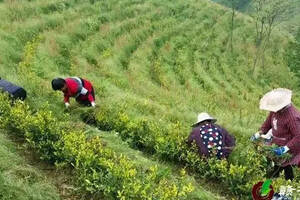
x=99, y=169
x=168, y=142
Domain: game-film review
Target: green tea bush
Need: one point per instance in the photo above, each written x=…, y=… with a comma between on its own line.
x=239, y=174
x=173, y=54
x=98, y=168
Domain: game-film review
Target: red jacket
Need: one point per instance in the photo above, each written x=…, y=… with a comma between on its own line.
x=73, y=87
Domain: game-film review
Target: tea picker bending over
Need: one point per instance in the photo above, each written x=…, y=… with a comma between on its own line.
x=81, y=89
x=210, y=138
x=14, y=91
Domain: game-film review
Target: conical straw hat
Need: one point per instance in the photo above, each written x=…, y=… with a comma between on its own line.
x=276, y=99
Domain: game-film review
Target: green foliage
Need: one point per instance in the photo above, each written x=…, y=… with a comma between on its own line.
x=289, y=21
x=293, y=55
x=267, y=151
x=18, y=179
x=242, y=5
x=99, y=169
x=167, y=142
x=155, y=65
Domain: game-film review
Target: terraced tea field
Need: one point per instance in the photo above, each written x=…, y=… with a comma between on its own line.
x=154, y=65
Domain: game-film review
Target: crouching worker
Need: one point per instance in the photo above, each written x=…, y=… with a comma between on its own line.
x=282, y=127
x=81, y=89
x=14, y=91
x=210, y=138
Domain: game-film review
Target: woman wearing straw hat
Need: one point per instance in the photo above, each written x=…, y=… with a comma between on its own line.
x=284, y=123
x=211, y=138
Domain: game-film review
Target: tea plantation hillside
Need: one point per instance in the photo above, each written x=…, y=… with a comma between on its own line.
x=18, y=179
x=155, y=65
x=289, y=22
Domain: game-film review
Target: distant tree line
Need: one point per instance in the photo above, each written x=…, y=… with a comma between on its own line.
x=293, y=55
x=241, y=5
x=267, y=14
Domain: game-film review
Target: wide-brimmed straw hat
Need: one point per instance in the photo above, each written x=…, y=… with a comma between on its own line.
x=276, y=99
x=204, y=116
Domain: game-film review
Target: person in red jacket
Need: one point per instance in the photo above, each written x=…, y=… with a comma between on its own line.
x=81, y=89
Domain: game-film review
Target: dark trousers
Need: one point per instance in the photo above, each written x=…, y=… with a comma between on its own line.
x=86, y=102
x=288, y=172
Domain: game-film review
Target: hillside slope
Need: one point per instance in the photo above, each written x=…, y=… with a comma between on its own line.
x=162, y=61
x=18, y=179
x=289, y=23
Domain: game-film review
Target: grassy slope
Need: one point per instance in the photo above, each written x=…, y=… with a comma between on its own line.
x=18, y=179
x=199, y=192
x=289, y=22
x=166, y=60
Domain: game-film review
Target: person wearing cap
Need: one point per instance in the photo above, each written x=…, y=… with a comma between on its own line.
x=210, y=138
x=283, y=128
x=81, y=89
